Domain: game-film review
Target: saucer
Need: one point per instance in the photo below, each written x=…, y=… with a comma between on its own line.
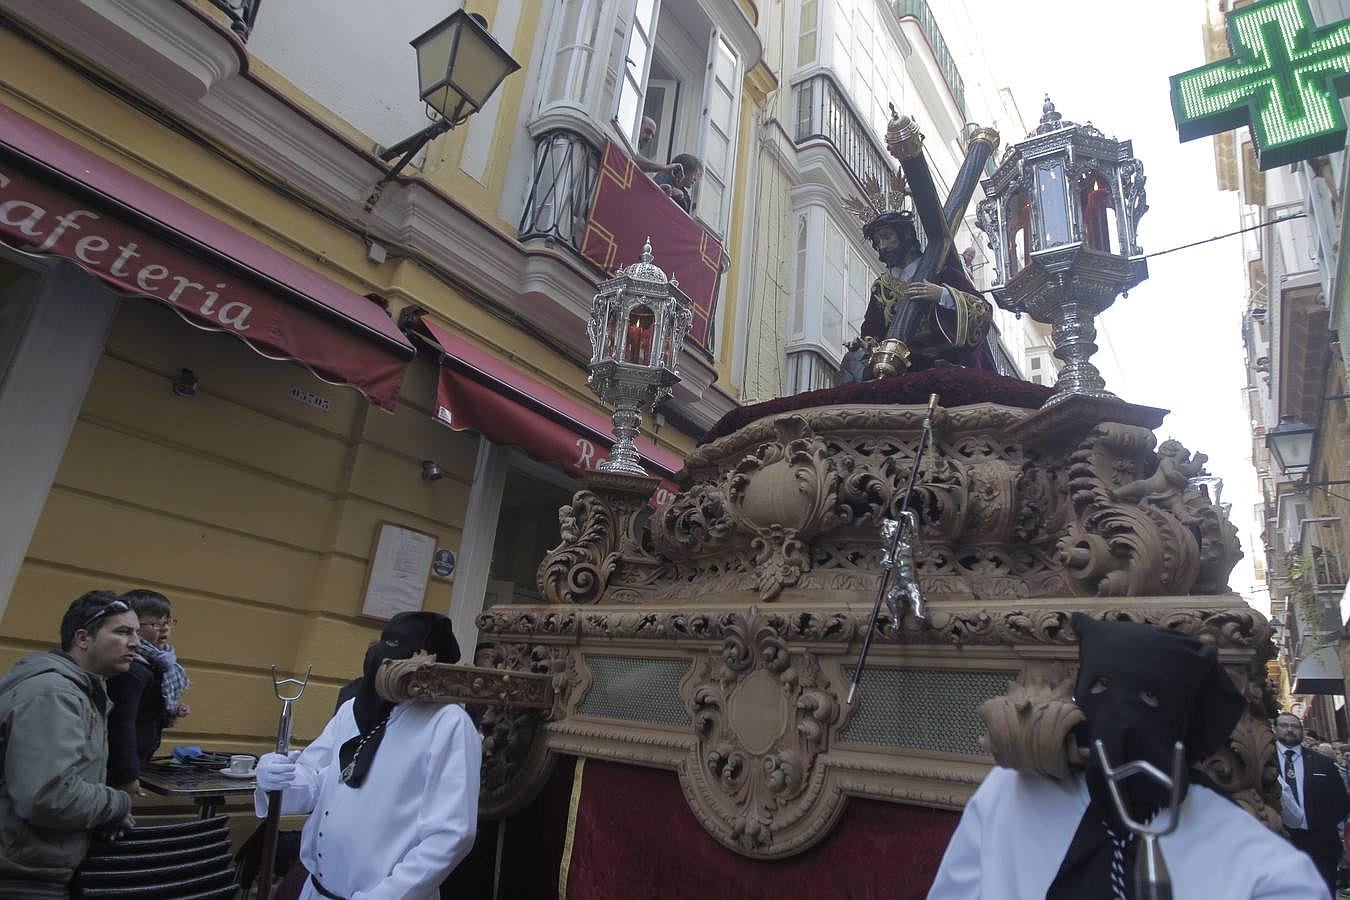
x=242, y=776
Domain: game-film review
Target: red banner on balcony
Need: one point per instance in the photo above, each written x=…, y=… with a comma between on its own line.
x=628, y=208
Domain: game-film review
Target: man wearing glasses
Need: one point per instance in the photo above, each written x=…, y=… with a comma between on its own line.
x=148, y=697
x=54, y=748
x=1313, y=800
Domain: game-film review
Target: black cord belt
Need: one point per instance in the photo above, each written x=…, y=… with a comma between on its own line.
x=318, y=886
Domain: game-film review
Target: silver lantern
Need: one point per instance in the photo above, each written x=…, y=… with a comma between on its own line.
x=1060, y=213
x=639, y=320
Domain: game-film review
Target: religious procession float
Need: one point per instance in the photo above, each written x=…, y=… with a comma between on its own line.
x=787, y=679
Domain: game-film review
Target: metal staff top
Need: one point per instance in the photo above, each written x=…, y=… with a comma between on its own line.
x=925, y=438
x=1152, y=881
x=284, y=726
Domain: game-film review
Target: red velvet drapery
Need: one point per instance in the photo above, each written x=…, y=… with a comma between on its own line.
x=634, y=836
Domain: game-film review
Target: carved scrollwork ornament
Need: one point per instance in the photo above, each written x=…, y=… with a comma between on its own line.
x=1136, y=532
x=762, y=715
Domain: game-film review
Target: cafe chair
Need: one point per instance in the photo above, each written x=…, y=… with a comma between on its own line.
x=183, y=860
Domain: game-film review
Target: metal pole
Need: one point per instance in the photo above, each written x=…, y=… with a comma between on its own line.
x=272, y=824
x=925, y=438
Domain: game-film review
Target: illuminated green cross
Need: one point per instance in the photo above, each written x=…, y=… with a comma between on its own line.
x=1285, y=78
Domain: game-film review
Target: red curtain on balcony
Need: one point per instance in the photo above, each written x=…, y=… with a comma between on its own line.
x=628, y=208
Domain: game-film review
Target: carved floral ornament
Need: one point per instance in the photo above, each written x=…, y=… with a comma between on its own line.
x=796, y=503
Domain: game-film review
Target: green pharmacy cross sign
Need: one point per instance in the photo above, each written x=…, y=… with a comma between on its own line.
x=1285, y=79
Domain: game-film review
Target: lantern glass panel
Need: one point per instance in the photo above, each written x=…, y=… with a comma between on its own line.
x=613, y=329
x=1099, y=215
x=1018, y=243
x=433, y=57
x=1291, y=442
x=640, y=331
x=1052, y=197
x=479, y=66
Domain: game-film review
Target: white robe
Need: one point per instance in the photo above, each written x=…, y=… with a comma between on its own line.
x=402, y=832
x=1016, y=829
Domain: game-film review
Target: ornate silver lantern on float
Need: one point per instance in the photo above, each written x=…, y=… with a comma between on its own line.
x=639, y=320
x=1060, y=213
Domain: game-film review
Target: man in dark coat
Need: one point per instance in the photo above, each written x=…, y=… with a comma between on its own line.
x=1313, y=797
x=143, y=706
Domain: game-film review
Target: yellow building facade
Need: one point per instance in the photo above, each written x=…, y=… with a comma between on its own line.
x=142, y=449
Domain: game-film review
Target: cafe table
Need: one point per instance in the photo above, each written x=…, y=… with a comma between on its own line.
x=205, y=786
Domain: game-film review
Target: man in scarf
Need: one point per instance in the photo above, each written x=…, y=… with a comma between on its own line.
x=1142, y=689
x=391, y=789
x=148, y=697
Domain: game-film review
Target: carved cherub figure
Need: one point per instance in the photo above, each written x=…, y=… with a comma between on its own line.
x=1166, y=486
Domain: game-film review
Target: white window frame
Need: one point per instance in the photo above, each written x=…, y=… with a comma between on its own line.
x=719, y=218
x=581, y=92
x=809, y=281
x=633, y=73
x=804, y=32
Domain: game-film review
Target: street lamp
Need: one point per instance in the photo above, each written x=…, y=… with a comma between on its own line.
x=639, y=320
x=459, y=66
x=1060, y=213
x=1291, y=443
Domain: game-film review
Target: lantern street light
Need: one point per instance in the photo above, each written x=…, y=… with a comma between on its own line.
x=638, y=323
x=459, y=66
x=1060, y=214
x=1291, y=443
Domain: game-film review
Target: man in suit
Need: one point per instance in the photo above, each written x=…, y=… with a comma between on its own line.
x=1313, y=797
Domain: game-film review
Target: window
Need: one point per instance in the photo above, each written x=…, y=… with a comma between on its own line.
x=1035, y=364
x=527, y=529
x=833, y=288
x=799, y=289
x=865, y=59
x=833, y=277
x=634, y=67
x=719, y=129
x=808, y=29
x=573, y=59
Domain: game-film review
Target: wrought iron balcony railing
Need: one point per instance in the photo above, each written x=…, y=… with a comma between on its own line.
x=823, y=113
x=566, y=166
x=920, y=12
x=242, y=14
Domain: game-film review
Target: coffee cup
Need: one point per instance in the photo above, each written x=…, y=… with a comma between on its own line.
x=241, y=765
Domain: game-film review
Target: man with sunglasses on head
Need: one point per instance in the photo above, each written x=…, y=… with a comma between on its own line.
x=54, y=749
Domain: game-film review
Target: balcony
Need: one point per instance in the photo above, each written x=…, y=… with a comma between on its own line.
x=824, y=114
x=1317, y=577
x=599, y=205
x=919, y=11
x=241, y=14
x=562, y=184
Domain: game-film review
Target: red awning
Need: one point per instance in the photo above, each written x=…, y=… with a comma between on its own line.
x=482, y=393
x=58, y=198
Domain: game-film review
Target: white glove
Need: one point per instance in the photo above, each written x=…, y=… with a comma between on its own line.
x=276, y=772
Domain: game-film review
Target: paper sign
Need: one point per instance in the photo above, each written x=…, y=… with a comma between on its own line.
x=399, y=570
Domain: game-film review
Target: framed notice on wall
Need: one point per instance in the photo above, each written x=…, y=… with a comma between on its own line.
x=400, y=565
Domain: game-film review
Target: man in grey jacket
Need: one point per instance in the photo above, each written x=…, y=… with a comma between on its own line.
x=54, y=749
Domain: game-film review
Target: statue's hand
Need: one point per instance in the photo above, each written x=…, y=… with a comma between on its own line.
x=923, y=291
